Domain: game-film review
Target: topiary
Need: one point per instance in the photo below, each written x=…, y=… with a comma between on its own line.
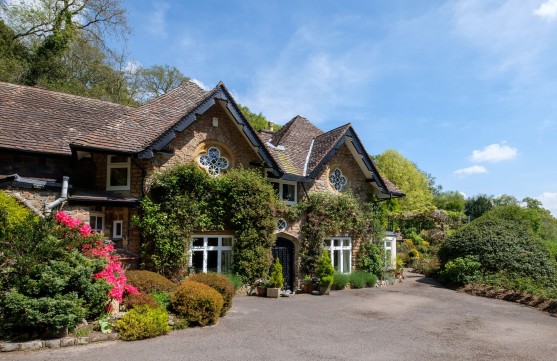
x=340, y=280
x=197, y=303
x=219, y=283
x=143, y=322
x=358, y=279
x=276, y=278
x=143, y=299
x=147, y=281
x=325, y=270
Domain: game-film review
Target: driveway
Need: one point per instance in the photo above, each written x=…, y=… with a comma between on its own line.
x=413, y=320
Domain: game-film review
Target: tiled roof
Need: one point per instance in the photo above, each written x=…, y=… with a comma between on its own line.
x=323, y=144
x=135, y=130
x=39, y=120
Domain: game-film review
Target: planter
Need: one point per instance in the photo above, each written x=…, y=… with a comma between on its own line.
x=324, y=290
x=261, y=291
x=309, y=287
x=273, y=292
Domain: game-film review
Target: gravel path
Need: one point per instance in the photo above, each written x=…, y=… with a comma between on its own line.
x=414, y=320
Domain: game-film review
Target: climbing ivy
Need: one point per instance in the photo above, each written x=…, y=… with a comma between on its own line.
x=184, y=199
x=327, y=214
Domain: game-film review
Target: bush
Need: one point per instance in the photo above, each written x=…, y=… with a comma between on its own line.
x=358, y=279
x=219, y=283
x=148, y=282
x=142, y=299
x=500, y=245
x=340, y=280
x=143, y=322
x=197, y=303
x=370, y=258
x=413, y=253
x=426, y=266
x=461, y=270
x=325, y=270
x=371, y=279
x=276, y=279
x=235, y=279
x=162, y=299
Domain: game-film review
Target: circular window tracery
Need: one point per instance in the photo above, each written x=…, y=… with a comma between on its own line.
x=213, y=161
x=337, y=179
x=281, y=225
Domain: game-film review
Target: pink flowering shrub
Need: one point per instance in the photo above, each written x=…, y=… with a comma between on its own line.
x=93, y=246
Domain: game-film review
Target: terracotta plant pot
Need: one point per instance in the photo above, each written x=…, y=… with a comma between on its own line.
x=261, y=291
x=309, y=287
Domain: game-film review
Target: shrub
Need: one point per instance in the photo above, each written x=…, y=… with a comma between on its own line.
x=219, y=283
x=370, y=258
x=148, y=282
x=325, y=270
x=371, y=279
x=142, y=299
x=276, y=279
x=413, y=253
x=500, y=245
x=143, y=322
x=340, y=280
x=235, y=279
x=15, y=213
x=197, y=303
x=427, y=266
x=461, y=270
x=358, y=279
x=162, y=298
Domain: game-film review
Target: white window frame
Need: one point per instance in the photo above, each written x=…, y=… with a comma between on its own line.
x=110, y=166
x=205, y=248
x=340, y=248
x=98, y=215
x=114, y=228
x=280, y=182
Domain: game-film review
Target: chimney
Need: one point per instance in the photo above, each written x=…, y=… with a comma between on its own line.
x=271, y=126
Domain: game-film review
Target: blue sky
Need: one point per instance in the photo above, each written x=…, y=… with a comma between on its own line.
x=465, y=89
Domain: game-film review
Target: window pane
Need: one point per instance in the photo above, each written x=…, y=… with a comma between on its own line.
x=118, y=159
x=346, y=261
x=212, y=242
x=289, y=192
x=226, y=261
x=118, y=229
x=337, y=242
x=346, y=243
x=337, y=260
x=197, y=261
x=197, y=242
x=227, y=242
x=328, y=243
x=212, y=261
x=118, y=177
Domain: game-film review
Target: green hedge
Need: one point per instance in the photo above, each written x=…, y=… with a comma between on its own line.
x=197, y=303
x=143, y=322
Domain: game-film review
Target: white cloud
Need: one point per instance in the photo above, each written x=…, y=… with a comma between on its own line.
x=494, y=153
x=547, y=10
x=549, y=200
x=475, y=169
x=200, y=83
x=157, y=20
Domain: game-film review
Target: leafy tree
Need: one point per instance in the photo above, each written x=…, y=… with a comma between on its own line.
x=14, y=56
x=478, y=205
x=505, y=200
x=413, y=182
x=258, y=121
x=450, y=201
x=158, y=80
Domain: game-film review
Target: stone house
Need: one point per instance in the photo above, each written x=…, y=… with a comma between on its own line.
x=95, y=160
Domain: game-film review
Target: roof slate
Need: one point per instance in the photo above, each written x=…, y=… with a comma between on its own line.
x=39, y=120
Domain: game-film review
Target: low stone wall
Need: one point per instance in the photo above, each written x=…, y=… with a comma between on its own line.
x=57, y=342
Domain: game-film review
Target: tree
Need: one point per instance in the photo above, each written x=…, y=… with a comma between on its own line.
x=158, y=80
x=450, y=201
x=413, y=182
x=478, y=205
x=505, y=200
x=14, y=56
x=258, y=121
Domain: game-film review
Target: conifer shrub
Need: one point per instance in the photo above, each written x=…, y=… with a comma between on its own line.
x=340, y=281
x=197, y=303
x=135, y=300
x=358, y=279
x=147, y=281
x=143, y=322
x=276, y=279
x=325, y=270
x=220, y=283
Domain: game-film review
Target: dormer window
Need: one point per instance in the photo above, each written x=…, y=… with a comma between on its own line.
x=118, y=173
x=213, y=161
x=337, y=179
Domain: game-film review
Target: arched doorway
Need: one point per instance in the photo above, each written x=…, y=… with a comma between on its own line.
x=284, y=250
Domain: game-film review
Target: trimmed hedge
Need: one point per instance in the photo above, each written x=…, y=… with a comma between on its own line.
x=358, y=279
x=143, y=299
x=220, y=283
x=340, y=281
x=143, y=322
x=148, y=282
x=197, y=303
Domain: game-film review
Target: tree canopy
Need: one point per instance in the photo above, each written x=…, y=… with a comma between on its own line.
x=450, y=201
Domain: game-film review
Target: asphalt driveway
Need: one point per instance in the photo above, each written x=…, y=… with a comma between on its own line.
x=414, y=320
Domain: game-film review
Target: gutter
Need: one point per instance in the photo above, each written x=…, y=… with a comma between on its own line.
x=63, y=197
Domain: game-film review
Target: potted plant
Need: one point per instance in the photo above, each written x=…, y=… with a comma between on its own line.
x=261, y=287
x=310, y=284
x=325, y=272
x=276, y=280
